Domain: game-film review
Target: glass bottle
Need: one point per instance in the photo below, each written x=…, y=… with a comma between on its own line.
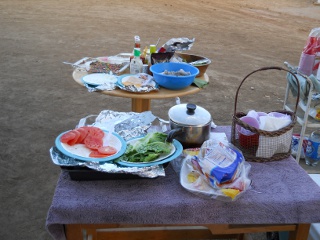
x=313, y=149
x=137, y=44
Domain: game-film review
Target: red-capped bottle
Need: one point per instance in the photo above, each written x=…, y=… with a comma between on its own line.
x=137, y=45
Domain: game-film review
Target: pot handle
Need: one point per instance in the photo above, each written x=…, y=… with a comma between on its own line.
x=173, y=133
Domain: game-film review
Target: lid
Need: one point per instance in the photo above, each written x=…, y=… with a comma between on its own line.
x=136, y=52
x=189, y=114
x=136, y=38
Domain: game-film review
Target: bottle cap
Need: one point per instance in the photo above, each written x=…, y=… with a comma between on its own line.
x=153, y=49
x=136, y=52
x=136, y=38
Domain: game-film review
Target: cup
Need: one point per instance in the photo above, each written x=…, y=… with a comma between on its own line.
x=248, y=139
x=318, y=74
x=306, y=63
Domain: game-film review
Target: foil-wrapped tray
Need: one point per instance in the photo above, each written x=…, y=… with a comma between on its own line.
x=87, y=174
x=128, y=125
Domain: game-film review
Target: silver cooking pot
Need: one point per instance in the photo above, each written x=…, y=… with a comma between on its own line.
x=190, y=125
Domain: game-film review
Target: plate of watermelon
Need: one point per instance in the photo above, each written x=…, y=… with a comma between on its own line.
x=89, y=143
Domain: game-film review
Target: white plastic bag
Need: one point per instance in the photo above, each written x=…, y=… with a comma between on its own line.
x=218, y=171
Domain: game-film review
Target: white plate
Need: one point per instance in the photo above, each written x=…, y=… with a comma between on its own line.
x=99, y=78
x=81, y=152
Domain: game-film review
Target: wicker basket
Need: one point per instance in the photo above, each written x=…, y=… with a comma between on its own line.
x=261, y=145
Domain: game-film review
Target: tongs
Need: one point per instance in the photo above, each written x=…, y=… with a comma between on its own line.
x=200, y=62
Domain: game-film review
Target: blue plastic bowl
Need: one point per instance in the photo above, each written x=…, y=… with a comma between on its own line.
x=170, y=81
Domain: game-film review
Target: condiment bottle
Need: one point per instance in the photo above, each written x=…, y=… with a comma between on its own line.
x=136, y=63
x=313, y=149
x=137, y=44
x=143, y=55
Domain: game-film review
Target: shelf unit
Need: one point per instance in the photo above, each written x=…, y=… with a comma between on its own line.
x=303, y=117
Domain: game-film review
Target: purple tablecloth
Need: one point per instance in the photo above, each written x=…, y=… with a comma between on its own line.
x=282, y=192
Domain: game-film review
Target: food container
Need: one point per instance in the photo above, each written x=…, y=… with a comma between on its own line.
x=200, y=62
x=173, y=82
x=190, y=124
x=248, y=139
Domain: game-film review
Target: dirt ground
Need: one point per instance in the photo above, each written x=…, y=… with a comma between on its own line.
x=40, y=99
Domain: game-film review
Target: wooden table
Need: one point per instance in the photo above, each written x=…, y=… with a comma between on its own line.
x=142, y=102
x=179, y=232
x=283, y=198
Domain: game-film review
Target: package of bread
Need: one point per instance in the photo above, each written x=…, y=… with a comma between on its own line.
x=219, y=171
x=220, y=162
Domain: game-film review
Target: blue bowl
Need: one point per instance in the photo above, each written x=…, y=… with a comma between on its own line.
x=170, y=81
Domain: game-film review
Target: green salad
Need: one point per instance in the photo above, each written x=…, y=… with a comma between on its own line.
x=148, y=148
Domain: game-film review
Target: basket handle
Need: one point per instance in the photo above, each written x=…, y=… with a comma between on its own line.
x=263, y=69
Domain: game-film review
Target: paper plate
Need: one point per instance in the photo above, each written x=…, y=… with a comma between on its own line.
x=99, y=78
x=148, y=83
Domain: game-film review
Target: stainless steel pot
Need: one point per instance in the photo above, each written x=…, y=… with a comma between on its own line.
x=190, y=125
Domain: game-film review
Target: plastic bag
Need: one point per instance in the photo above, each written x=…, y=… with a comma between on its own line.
x=309, y=59
x=219, y=171
x=177, y=44
x=313, y=42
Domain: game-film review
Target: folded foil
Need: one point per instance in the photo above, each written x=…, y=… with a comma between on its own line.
x=101, y=87
x=142, y=89
x=60, y=159
x=178, y=44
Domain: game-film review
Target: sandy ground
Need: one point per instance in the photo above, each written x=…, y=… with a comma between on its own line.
x=40, y=99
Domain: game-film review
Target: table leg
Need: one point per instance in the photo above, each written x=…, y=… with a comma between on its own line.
x=296, y=231
x=301, y=232
x=140, y=105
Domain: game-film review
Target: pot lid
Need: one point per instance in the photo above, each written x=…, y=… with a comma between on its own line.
x=189, y=114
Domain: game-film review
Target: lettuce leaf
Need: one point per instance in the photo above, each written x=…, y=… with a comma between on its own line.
x=148, y=148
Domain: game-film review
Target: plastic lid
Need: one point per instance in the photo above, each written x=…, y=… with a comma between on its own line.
x=136, y=38
x=136, y=52
x=153, y=49
x=189, y=114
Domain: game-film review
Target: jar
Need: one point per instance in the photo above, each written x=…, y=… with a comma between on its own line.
x=313, y=149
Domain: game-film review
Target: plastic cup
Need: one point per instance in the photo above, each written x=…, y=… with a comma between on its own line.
x=306, y=63
x=248, y=139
